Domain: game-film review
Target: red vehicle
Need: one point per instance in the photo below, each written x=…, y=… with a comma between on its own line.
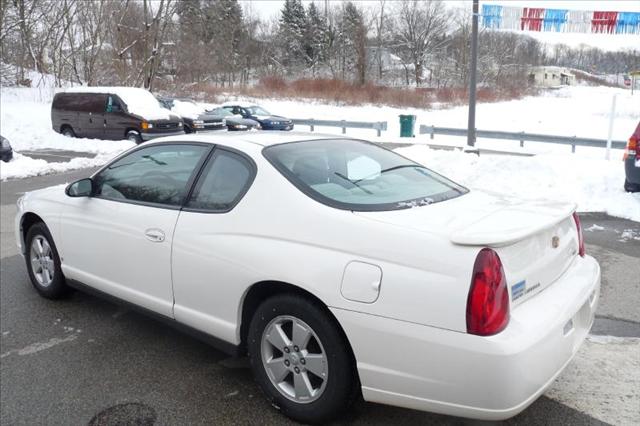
x=632, y=162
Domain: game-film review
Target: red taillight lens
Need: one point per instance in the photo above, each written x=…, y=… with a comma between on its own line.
x=580, y=236
x=632, y=145
x=488, y=301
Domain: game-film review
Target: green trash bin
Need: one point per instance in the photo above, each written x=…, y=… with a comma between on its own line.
x=407, y=126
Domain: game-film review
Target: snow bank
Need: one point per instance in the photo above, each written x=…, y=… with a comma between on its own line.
x=595, y=185
x=22, y=166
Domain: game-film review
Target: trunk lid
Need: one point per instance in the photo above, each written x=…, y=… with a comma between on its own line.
x=536, y=240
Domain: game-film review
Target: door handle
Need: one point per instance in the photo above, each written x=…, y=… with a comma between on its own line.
x=155, y=235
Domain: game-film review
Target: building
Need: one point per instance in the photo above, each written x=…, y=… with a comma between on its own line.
x=548, y=76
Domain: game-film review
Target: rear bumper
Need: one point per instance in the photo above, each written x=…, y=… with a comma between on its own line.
x=491, y=378
x=632, y=172
x=150, y=136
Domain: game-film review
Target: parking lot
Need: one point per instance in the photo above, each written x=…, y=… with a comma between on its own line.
x=87, y=361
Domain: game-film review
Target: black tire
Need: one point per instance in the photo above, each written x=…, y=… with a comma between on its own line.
x=631, y=187
x=57, y=288
x=342, y=385
x=187, y=129
x=68, y=131
x=134, y=136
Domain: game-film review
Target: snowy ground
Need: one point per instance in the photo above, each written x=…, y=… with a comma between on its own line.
x=585, y=177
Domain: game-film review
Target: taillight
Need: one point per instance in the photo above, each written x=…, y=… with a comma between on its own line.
x=580, y=235
x=632, y=147
x=488, y=301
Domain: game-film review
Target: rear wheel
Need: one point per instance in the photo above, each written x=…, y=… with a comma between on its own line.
x=301, y=359
x=43, y=263
x=631, y=187
x=68, y=132
x=134, y=136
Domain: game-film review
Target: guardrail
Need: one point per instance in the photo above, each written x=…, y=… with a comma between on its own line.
x=522, y=137
x=379, y=126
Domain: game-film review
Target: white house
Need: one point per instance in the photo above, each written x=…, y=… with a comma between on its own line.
x=549, y=76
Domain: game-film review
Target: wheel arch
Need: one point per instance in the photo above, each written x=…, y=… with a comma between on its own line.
x=27, y=220
x=131, y=129
x=262, y=290
x=64, y=125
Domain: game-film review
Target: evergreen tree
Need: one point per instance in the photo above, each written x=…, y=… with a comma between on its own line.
x=355, y=37
x=292, y=32
x=316, y=36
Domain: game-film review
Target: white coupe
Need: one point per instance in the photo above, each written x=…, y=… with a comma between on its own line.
x=341, y=268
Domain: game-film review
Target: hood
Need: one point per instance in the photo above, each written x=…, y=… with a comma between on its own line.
x=271, y=118
x=479, y=218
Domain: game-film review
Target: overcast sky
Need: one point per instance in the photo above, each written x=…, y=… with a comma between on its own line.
x=271, y=8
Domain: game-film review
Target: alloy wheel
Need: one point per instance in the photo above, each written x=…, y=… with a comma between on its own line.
x=294, y=359
x=42, y=264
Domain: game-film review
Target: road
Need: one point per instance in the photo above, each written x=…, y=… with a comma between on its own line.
x=85, y=361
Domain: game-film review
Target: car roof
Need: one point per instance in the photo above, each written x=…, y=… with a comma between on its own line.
x=261, y=138
x=239, y=103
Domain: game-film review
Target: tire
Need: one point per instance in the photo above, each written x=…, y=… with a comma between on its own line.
x=134, y=136
x=43, y=263
x=631, y=187
x=187, y=129
x=68, y=132
x=325, y=398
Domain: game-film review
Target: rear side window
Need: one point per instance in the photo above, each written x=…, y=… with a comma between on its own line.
x=223, y=182
x=157, y=174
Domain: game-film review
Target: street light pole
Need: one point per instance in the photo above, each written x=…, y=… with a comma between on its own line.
x=471, y=127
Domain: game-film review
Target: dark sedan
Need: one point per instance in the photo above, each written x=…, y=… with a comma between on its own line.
x=235, y=122
x=265, y=118
x=194, y=115
x=6, y=152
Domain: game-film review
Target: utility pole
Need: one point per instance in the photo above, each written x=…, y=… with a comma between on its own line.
x=471, y=127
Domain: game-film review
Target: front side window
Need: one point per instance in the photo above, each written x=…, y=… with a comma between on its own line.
x=223, y=182
x=156, y=174
x=359, y=176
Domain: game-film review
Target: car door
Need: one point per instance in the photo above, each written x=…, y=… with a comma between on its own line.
x=208, y=279
x=95, y=104
x=114, y=117
x=119, y=240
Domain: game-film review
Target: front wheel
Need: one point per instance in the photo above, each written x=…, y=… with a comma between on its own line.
x=301, y=359
x=134, y=137
x=43, y=263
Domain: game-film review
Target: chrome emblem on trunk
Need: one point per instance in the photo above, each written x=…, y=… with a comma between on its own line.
x=555, y=242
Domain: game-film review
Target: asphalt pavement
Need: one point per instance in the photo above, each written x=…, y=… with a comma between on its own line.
x=86, y=361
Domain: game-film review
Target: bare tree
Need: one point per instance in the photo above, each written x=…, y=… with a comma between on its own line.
x=419, y=27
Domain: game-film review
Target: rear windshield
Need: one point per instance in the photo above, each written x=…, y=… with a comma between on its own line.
x=360, y=176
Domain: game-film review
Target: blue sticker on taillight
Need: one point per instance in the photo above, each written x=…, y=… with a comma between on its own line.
x=517, y=290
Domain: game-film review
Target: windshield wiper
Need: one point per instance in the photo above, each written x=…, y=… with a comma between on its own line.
x=402, y=166
x=354, y=183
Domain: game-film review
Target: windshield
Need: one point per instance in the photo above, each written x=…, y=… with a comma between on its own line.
x=220, y=112
x=256, y=110
x=359, y=176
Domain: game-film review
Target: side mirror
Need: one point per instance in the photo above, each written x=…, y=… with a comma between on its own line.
x=80, y=188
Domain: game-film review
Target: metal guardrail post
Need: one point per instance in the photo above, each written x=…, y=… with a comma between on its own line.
x=344, y=126
x=522, y=140
x=311, y=125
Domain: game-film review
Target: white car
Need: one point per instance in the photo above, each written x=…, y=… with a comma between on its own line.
x=338, y=266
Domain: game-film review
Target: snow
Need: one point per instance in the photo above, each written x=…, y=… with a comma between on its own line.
x=187, y=109
x=139, y=101
x=586, y=178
